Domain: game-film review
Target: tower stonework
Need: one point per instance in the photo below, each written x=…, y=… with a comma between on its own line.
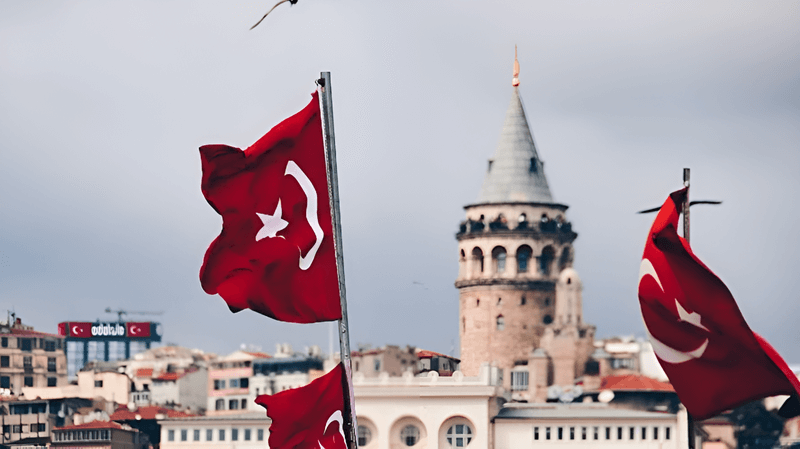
x=520, y=303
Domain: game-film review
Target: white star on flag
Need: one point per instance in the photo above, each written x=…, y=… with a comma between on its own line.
x=272, y=224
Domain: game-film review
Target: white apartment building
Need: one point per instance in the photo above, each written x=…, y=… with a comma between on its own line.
x=240, y=431
x=520, y=425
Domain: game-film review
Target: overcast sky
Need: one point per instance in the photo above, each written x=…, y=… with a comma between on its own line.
x=103, y=106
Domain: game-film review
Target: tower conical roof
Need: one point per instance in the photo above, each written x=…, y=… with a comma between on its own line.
x=515, y=174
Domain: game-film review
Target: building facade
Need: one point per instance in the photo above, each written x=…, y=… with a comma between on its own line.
x=30, y=359
x=240, y=431
x=520, y=300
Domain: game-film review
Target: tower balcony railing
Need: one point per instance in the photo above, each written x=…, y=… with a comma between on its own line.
x=555, y=228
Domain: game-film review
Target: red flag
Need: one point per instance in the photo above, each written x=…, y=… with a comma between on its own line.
x=712, y=358
x=308, y=417
x=137, y=329
x=275, y=254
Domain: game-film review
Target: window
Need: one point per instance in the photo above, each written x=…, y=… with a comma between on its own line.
x=535, y=433
x=499, y=256
x=27, y=362
x=247, y=434
x=522, y=301
x=51, y=364
x=547, y=319
x=98, y=384
x=28, y=381
x=644, y=433
x=619, y=433
x=655, y=433
x=534, y=167
x=596, y=433
x=16, y=428
x=4, y=342
x=260, y=435
x=632, y=433
x=209, y=434
x=170, y=435
x=459, y=435
x=560, y=433
x=233, y=383
x=184, y=434
x=546, y=433
x=364, y=435
x=233, y=404
x=5, y=382
x=546, y=259
x=519, y=380
x=244, y=404
x=477, y=259
x=26, y=344
x=244, y=383
x=219, y=384
x=221, y=435
x=571, y=433
x=196, y=435
x=40, y=427
x=219, y=404
x=377, y=365
x=234, y=434
x=49, y=345
x=4, y=361
x=666, y=433
x=501, y=322
x=583, y=433
x=52, y=382
x=523, y=257
x=608, y=433
x=409, y=435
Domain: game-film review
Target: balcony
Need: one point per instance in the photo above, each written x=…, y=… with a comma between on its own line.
x=558, y=230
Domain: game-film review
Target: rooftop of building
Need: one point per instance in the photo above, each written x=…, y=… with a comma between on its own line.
x=634, y=382
x=519, y=410
x=17, y=328
x=248, y=416
x=148, y=412
x=515, y=174
x=95, y=425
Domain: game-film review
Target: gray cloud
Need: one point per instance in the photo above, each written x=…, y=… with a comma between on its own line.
x=105, y=104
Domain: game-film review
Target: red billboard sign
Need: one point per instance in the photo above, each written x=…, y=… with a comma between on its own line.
x=89, y=330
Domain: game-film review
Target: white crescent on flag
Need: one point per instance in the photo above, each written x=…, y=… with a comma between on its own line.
x=274, y=223
x=335, y=417
x=662, y=350
x=311, y=211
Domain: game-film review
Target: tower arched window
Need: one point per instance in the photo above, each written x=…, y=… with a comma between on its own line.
x=546, y=260
x=524, y=253
x=565, y=259
x=499, y=258
x=501, y=322
x=477, y=258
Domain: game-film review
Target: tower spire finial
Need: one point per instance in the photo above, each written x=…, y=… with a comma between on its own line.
x=515, y=81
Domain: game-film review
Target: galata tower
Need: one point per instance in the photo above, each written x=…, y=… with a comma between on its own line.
x=520, y=303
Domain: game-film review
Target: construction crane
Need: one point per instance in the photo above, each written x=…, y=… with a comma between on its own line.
x=121, y=312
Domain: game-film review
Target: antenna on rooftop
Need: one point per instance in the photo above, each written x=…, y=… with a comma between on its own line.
x=121, y=312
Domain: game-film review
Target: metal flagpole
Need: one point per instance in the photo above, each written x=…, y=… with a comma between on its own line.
x=326, y=109
x=686, y=171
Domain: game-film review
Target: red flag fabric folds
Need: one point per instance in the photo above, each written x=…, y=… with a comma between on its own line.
x=711, y=356
x=275, y=254
x=308, y=417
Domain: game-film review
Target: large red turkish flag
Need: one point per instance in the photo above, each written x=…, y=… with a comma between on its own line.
x=275, y=254
x=308, y=417
x=711, y=356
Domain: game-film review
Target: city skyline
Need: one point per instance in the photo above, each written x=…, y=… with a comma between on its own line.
x=105, y=106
